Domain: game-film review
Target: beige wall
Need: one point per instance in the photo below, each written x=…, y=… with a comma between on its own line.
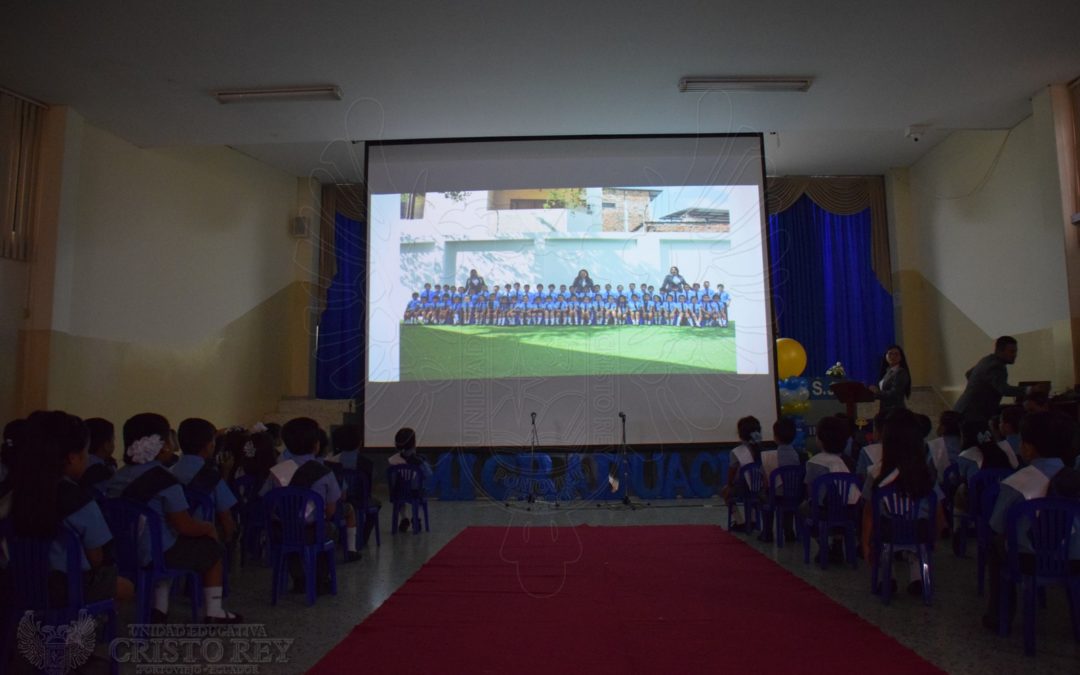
x=177, y=286
x=977, y=244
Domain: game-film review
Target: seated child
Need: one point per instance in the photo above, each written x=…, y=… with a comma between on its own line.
x=870, y=454
x=784, y=455
x=749, y=430
x=188, y=544
x=100, y=465
x=346, y=442
x=1044, y=436
x=902, y=463
x=303, y=437
x=405, y=442
x=47, y=496
x=945, y=449
x=197, y=472
x=833, y=436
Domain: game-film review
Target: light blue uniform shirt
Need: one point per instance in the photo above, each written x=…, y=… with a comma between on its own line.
x=169, y=500
x=89, y=525
x=189, y=465
x=1049, y=467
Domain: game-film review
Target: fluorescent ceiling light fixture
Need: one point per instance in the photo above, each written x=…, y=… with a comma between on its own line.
x=721, y=83
x=328, y=92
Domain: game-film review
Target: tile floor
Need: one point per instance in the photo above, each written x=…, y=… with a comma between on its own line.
x=948, y=634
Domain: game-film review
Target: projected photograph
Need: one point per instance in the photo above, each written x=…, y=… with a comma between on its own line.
x=564, y=281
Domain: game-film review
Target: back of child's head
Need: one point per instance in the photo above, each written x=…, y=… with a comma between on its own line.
x=926, y=425
x=1049, y=434
x=195, y=434
x=784, y=431
x=143, y=425
x=102, y=433
x=274, y=429
x=346, y=438
x=903, y=449
x=51, y=438
x=259, y=455
x=1011, y=417
x=977, y=434
x=949, y=423
x=833, y=434
x=301, y=435
x=747, y=427
x=405, y=439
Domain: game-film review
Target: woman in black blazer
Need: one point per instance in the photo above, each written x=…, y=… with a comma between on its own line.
x=894, y=385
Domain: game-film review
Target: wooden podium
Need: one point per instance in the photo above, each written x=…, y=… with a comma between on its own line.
x=851, y=393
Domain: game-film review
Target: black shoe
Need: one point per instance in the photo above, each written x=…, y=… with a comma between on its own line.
x=789, y=534
x=298, y=586
x=915, y=587
x=352, y=556
x=322, y=587
x=737, y=527
x=224, y=620
x=765, y=537
x=157, y=616
x=403, y=526
x=836, y=553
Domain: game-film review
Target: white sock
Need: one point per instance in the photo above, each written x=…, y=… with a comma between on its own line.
x=212, y=595
x=161, y=596
x=350, y=539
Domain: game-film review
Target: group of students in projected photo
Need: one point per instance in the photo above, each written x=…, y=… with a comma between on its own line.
x=581, y=303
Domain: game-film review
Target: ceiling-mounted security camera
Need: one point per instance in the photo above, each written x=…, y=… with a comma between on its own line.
x=916, y=131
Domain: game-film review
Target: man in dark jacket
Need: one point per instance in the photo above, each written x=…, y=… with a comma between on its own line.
x=988, y=382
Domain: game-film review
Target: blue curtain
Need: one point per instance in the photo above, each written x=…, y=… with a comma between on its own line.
x=339, y=354
x=825, y=292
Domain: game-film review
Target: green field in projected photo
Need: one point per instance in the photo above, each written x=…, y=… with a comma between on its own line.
x=483, y=352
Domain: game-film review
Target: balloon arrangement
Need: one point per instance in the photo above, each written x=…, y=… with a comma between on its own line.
x=794, y=390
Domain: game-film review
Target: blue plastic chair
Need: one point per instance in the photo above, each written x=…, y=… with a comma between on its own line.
x=950, y=483
x=288, y=510
x=792, y=479
x=830, y=510
x=358, y=493
x=29, y=565
x=130, y=522
x=983, y=490
x=251, y=518
x=911, y=522
x=406, y=485
x=1047, y=525
x=753, y=480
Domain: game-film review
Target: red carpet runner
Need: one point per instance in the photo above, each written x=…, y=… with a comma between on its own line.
x=674, y=599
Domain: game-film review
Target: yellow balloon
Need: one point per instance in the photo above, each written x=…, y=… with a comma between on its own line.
x=790, y=358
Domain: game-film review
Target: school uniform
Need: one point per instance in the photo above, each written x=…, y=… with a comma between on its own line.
x=869, y=455
x=82, y=515
x=971, y=460
x=97, y=475
x=825, y=463
x=306, y=471
x=1031, y=482
x=944, y=451
x=154, y=486
x=869, y=487
x=197, y=474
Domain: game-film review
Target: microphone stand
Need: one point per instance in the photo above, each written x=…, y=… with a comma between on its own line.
x=624, y=459
x=533, y=440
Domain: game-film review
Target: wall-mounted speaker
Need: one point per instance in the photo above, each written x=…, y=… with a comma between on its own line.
x=300, y=228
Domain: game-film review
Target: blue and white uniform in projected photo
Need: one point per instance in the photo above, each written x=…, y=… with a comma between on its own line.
x=712, y=234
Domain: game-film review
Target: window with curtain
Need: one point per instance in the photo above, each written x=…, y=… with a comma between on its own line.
x=20, y=128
